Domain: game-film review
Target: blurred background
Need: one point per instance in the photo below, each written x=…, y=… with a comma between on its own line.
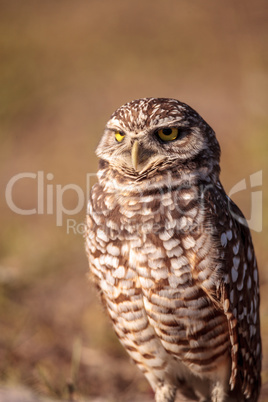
x=65, y=66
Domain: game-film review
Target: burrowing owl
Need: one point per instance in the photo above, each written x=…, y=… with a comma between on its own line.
x=172, y=256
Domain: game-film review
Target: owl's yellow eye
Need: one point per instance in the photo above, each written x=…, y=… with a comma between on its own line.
x=119, y=136
x=168, y=134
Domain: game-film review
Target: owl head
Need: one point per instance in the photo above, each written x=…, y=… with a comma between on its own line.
x=154, y=134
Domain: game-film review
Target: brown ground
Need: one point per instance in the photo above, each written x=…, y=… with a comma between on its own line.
x=65, y=66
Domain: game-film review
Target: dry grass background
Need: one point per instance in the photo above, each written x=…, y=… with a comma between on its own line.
x=64, y=67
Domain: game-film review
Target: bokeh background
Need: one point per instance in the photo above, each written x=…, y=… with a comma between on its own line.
x=65, y=66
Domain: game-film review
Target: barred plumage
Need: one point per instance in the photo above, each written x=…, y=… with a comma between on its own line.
x=173, y=261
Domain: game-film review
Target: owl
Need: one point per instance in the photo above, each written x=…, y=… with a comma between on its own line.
x=172, y=255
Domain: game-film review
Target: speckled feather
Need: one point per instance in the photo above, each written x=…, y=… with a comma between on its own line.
x=175, y=267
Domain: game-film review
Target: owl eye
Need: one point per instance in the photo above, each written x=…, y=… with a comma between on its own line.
x=119, y=136
x=168, y=134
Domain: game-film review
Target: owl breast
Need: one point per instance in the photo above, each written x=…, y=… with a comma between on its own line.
x=154, y=261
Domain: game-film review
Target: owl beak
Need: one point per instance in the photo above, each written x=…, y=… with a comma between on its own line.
x=134, y=154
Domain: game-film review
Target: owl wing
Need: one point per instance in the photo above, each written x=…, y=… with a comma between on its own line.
x=237, y=290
